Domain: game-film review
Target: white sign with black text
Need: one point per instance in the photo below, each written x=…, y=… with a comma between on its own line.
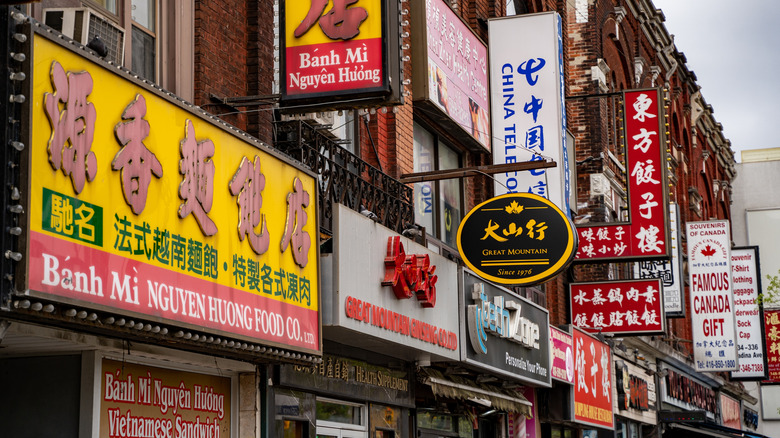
x=748, y=314
x=712, y=300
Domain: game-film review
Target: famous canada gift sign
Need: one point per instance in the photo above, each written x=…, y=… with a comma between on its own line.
x=712, y=301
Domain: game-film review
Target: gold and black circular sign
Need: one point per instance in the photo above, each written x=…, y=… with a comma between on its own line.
x=518, y=239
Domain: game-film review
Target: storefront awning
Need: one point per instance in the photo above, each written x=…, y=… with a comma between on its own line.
x=465, y=390
x=706, y=430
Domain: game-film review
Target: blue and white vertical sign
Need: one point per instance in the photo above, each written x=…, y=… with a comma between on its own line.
x=528, y=111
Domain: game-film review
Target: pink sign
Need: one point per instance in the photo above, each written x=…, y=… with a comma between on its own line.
x=772, y=330
x=646, y=236
x=562, y=368
x=519, y=426
x=457, y=71
x=593, y=387
x=60, y=267
x=729, y=412
x=621, y=307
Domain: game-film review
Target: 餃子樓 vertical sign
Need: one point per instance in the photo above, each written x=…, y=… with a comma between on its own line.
x=141, y=207
x=712, y=301
x=528, y=111
x=748, y=314
x=647, y=235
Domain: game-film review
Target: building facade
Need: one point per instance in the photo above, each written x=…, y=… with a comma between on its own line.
x=280, y=191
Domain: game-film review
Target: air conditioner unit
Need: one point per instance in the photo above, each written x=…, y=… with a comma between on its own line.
x=83, y=24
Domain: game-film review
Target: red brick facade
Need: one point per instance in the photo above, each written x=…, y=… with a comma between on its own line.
x=609, y=47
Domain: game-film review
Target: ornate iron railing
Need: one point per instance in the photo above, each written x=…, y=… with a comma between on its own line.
x=344, y=178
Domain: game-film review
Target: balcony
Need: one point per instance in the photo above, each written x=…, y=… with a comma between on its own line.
x=344, y=178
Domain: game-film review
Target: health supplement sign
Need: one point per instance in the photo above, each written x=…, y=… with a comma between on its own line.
x=712, y=300
x=748, y=314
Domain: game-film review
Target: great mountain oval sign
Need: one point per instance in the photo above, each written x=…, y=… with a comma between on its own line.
x=518, y=239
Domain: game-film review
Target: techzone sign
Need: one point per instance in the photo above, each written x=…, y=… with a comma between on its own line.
x=647, y=235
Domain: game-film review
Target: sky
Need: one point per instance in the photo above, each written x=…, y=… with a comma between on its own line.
x=733, y=47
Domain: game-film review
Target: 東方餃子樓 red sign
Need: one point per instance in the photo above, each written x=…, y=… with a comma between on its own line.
x=629, y=307
x=592, y=381
x=646, y=235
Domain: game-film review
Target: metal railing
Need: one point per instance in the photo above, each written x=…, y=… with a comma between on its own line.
x=345, y=178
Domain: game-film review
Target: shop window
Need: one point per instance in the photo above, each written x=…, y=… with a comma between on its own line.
x=294, y=429
x=385, y=421
x=554, y=431
x=135, y=35
x=439, y=424
x=144, y=57
x=294, y=413
x=341, y=419
x=438, y=204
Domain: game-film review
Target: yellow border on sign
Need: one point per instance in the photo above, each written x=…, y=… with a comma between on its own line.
x=110, y=95
x=296, y=11
x=553, y=270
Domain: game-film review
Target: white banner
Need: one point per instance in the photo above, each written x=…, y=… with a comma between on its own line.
x=527, y=107
x=712, y=301
x=747, y=314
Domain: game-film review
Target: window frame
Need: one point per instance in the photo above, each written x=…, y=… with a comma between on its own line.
x=439, y=141
x=154, y=34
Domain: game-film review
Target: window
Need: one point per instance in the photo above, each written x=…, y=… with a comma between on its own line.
x=152, y=38
x=109, y=5
x=144, y=38
x=438, y=204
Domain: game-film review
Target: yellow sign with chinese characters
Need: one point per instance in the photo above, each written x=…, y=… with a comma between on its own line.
x=323, y=21
x=140, y=205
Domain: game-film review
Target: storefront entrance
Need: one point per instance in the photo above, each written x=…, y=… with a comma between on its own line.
x=341, y=419
x=333, y=432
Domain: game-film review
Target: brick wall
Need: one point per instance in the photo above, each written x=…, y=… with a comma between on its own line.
x=221, y=66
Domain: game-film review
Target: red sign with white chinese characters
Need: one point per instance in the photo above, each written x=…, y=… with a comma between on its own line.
x=592, y=381
x=629, y=307
x=409, y=275
x=772, y=330
x=647, y=235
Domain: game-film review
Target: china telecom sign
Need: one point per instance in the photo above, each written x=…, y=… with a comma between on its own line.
x=712, y=300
